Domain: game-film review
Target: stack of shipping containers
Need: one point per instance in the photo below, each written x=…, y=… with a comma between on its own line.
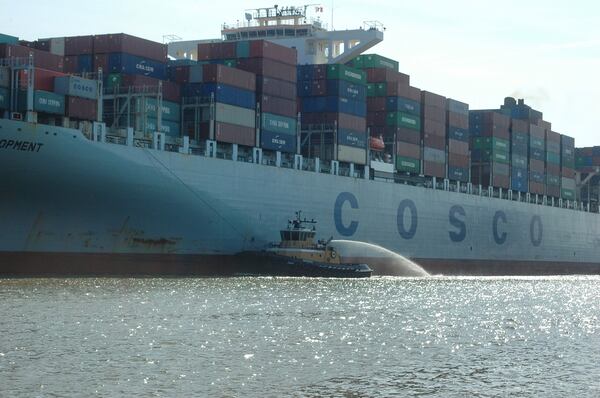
x=537, y=156
x=567, y=167
x=4, y=89
x=334, y=95
x=552, y=164
x=234, y=103
x=275, y=87
x=81, y=96
x=490, y=138
x=393, y=111
x=519, y=147
x=128, y=61
x=587, y=159
x=457, y=127
x=433, y=128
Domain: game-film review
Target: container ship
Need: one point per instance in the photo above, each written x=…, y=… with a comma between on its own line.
x=122, y=156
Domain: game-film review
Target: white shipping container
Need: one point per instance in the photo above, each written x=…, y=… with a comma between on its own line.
x=57, y=46
x=568, y=183
x=235, y=115
x=352, y=154
x=434, y=155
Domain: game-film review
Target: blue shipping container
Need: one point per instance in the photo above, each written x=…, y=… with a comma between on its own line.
x=519, y=180
x=352, y=138
x=394, y=104
x=334, y=105
x=230, y=95
x=345, y=89
x=456, y=133
x=134, y=65
x=85, y=63
x=537, y=176
x=458, y=174
x=277, y=141
x=537, y=154
x=191, y=90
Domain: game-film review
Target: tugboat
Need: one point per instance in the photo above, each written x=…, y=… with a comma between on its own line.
x=298, y=255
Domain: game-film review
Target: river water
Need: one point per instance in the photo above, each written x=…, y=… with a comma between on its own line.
x=257, y=337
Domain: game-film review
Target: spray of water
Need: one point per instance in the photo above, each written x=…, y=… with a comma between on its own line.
x=382, y=261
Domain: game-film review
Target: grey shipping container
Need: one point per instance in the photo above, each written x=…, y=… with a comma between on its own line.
x=76, y=87
x=235, y=115
x=457, y=107
x=352, y=154
x=434, y=155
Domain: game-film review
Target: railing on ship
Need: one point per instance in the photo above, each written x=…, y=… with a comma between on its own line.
x=234, y=152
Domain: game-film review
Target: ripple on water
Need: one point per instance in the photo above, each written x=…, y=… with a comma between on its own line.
x=279, y=336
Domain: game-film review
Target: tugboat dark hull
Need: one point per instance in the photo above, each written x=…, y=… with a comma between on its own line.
x=269, y=264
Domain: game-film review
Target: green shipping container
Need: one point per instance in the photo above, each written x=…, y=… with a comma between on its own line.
x=343, y=72
x=519, y=161
x=491, y=143
x=170, y=110
x=568, y=194
x=8, y=39
x=169, y=128
x=537, y=143
x=374, y=61
x=408, y=164
x=553, y=158
x=488, y=156
x=376, y=89
x=404, y=120
x=552, y=180
x=242, y=49
x=43, y=101
x=113, y=80
x=4, y=98
x=278, y=124
x=232, y=63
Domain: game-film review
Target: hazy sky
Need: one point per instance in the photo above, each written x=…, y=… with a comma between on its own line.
x=547, y=52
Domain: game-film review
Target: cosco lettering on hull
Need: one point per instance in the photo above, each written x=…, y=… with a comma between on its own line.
x=407, y=221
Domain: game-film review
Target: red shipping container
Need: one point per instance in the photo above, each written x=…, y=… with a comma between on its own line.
x=501, y=181
x=553, y=169
x=544, y=124
x=277, y=105
x=490, y=118
x=124, y=43
x=376, y=118
x=404, y=91
x=171, y=91
x=101, y=62
x=408, y=150
x=383, y=75
x=42, y=79
x=78, y=45
x=537, y=131
x=491, y=130
x=404, y=135
x=519, y=126
x=376, y=104
x=458, y=120
x=458, y=147
x=536, y=165
x=566, y=172
x=71, y=64
x=587, y=151
x=536, y=187
x=230, y=133
x=41, y=59
x=270, y=50
x=215, y=73
x=433, y=169
x=180, y=74
x=456, y=160
x=434, y=141
x=429, y=98
x=434, y=113
x=434, y=128
x=81, y=108
x=276, y=87
x=552, y=136
x=269, y=68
